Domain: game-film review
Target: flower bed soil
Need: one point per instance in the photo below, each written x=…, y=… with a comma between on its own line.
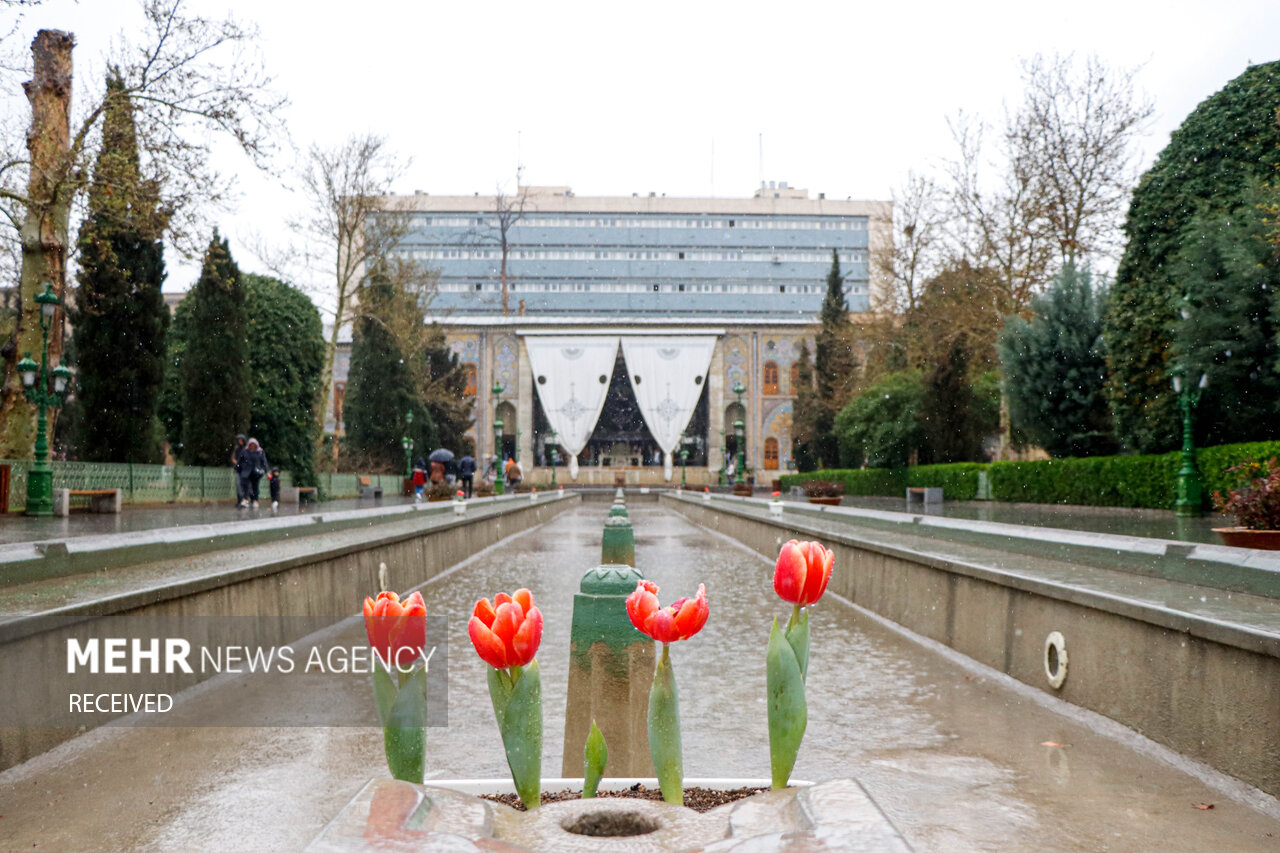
x=698, y=799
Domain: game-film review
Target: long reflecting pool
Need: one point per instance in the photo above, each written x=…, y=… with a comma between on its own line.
x=960, y=758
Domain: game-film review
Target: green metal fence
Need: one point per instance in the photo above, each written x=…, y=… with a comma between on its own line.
x=144, y=484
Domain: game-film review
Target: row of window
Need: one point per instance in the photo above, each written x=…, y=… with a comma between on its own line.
x=616, y=287
x=853, y=223
x=776, y=256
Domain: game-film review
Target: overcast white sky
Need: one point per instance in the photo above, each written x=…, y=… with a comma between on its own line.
x=619, y=98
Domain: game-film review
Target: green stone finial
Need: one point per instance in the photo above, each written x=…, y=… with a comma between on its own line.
x=618, y=544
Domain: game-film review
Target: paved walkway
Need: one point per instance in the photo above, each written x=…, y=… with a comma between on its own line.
x=19, y=528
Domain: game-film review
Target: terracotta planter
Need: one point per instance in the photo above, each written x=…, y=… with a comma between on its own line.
x=833, y=500
x=1242, y=537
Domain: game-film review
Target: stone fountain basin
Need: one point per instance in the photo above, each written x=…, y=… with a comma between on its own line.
x=449, y=815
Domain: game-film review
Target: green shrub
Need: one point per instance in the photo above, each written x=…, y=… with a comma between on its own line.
x=1131, y=481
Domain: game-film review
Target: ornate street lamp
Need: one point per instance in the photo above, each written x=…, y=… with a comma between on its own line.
x=741, y=429
x=721, y=466
x=499, y=485
x=554, y=457
x=35, y=382
x=407, y=443
x=1190, y=487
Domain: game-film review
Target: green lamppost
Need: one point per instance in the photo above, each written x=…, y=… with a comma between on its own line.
x=407, y=443
x=684, y=461
x=722, y=464
x=554, y=457
x=741, y=429
x=1190, y=487
x=499, y=485
x=35, y=381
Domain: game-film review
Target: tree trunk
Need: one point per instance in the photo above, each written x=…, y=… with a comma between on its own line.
x=44, y=230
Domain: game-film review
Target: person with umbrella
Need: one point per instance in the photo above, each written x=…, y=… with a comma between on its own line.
x=438, y=458
x=467, y=472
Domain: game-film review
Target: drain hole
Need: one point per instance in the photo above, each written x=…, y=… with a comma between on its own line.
x=611, y=824
x=1055, y=660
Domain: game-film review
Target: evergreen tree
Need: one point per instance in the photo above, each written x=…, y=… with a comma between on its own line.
x=120, y=317
x=1055, y=369
x=879, y=427
x=808, y=421
x=216, y=381
x=1227, y=143
x=1230, y=273
x=947, y=413
x=286, y=358
x=443, y=383
x=381, y=388
x=172, y=396
x=834, y=369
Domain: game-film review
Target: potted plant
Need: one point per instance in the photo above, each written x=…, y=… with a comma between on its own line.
x=1255, y=503
x=459, y=502
x=775, y=503
x=440, y=492
x=823, y=492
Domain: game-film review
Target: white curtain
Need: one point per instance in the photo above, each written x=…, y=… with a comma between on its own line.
x=667, y=375
x=572, y=377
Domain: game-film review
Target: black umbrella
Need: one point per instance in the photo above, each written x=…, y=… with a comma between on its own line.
x=440, y=455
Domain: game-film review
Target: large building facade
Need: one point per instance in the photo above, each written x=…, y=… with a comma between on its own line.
x=699, y=296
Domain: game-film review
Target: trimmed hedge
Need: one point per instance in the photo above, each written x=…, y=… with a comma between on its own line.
x=1129, y=481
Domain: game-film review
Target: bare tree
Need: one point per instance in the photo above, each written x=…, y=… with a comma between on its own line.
x=918, y=248
x=354, y=228
x=998, y=224
x=190, y=79
x=1075, y=129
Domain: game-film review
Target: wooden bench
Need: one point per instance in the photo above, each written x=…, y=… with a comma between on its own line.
x=924, y=495
x=368, y=490
x=100, y=500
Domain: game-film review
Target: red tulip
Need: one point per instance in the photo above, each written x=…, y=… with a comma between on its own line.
x=395, y=627
x=507, y=632
x=679, y=621
x=803, y=571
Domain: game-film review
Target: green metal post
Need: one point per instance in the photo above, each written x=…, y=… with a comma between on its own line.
x=499, y=484
x=741, y=429
x=40, y=477
x=1190, y=487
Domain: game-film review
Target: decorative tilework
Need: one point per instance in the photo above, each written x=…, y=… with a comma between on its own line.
x=735, y=364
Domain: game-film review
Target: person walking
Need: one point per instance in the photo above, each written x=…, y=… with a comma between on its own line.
x=514, y=474
x=273, y=479
x=419, y=479
x=250, y=466
x=235, y=468
x=467, y=472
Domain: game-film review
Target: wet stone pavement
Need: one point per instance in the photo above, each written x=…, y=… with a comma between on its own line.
x=958, y=757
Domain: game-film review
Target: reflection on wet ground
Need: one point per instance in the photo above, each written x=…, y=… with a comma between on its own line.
x=1151, y=523
x=957, y=756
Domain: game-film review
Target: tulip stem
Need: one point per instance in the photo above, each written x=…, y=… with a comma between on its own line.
x=664, y=731
x=795, y=617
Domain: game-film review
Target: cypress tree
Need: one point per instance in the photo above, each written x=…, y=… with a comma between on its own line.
x=216, y=382
x=834, y=367
x=808, y=419
x=947, y=409
x=286, y=358
x=120, y=317
x=380, y=389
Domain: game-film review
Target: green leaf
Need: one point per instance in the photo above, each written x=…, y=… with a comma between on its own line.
x=517, y=705
x=402, y=708
x=664, y=731
x=788, y=714
x=595, y=757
